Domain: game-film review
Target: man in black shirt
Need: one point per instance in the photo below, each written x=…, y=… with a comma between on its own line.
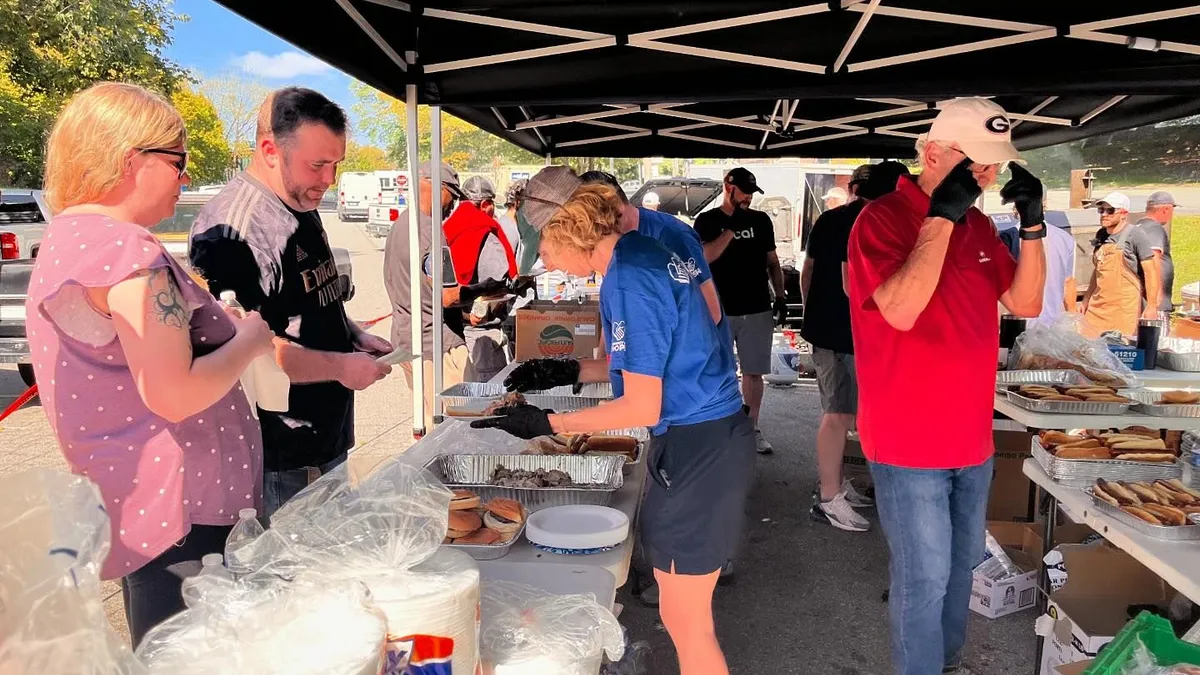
x=262, y=238
x=824, y=283
x=739, y=244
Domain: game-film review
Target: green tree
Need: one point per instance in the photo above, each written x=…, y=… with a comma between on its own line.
x=208, y=151
x=237, y=99
x=364, y=158
x=50, y=49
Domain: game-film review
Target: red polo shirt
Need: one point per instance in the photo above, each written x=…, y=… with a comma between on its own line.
x=925, y=395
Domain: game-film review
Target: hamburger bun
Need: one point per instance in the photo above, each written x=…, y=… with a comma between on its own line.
x=484, y=536
x=462, y=523
x=1179, y=397
x=504, y=515
x=462, y=500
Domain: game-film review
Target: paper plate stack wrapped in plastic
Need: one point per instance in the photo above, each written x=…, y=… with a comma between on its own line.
x=55, y=536
x=528, y=631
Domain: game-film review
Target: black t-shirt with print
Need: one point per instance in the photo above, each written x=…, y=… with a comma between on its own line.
x=827, y=310
x=741, y=275
x=279, y=263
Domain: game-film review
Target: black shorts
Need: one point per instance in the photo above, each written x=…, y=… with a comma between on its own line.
x=694, y=511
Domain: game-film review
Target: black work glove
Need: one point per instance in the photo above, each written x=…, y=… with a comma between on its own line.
x=523, y=421
x=484, y=289
x=781, y=310
x=542, y=374
x=1025, y=192
x=520, y=285
x=956, y=193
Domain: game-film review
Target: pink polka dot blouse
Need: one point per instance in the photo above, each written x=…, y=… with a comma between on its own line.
x=157, y=478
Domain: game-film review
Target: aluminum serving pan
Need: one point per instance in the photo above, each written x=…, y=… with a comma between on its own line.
x=1009, y=378
x=1167, y=532
x=1183, y=362
x=642, y=434
x=470, y=399
x=1147, y=404
x=596, y=477
x=1068, y=407
x=1082, y=473
x=489, y=551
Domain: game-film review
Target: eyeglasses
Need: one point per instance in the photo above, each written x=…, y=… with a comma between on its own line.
x=1105, y=210
x=180, y=164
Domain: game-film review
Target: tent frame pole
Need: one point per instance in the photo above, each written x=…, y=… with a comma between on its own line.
x=435, y=248
x=414, y=263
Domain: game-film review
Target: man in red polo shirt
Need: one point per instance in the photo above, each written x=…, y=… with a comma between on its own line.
x=926, y=270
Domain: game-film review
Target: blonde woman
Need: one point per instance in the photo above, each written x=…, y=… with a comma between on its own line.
x=669, y=371
x=137, y=366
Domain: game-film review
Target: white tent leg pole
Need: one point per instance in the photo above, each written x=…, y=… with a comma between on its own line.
x=549, y=159
x=435, y=161
x=414, y=265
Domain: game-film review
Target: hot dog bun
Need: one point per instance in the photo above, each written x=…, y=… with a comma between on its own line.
x=1099, y=452
x=1164, y=457
x=1142, y=513
x=1141, y=445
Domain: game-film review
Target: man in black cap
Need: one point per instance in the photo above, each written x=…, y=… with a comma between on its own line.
x=739, y=243
x=825, y=285
x=1160, y=209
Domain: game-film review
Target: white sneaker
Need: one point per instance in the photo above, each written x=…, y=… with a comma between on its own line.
x=761, y=444
x=838, y=513
x=854, y=497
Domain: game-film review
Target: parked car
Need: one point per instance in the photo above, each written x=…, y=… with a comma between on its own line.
x=23, y=218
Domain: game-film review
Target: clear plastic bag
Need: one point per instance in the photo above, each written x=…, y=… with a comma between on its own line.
x=55, y=535
x=1060, y=346
x=1142, y=662
x=527, y=631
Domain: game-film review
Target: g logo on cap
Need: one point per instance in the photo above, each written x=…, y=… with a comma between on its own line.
x=998, y=124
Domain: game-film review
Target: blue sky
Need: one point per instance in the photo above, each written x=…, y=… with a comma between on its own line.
x=215, y=41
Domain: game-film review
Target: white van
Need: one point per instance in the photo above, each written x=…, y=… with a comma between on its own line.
x=357, y=190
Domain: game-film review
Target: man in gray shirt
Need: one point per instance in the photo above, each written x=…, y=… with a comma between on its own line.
x=1160, y=209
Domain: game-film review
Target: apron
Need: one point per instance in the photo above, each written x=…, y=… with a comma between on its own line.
x=1117, y=302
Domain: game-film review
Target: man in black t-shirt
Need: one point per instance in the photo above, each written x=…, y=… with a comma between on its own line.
x=739, y=244
x=262, y=237
x=824, y=283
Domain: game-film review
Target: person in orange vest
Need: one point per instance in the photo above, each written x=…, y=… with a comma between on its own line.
x=481, y=252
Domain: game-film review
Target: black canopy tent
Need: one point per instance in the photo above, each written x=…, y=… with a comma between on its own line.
x=758, y=79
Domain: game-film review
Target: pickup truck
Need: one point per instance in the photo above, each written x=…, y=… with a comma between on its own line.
x=381, y=217
x=23, y=217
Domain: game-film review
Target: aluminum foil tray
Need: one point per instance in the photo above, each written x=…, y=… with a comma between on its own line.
x=1069, y=407
x=1009, y=378
x=469, y=399
x=596, y=477
x=1082, y=473
x=1189, y=363
x=1147, y=404
x=489, y=551
x=1170, y=533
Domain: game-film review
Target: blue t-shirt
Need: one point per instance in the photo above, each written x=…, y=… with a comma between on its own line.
x=656, y=323
x=679, y=239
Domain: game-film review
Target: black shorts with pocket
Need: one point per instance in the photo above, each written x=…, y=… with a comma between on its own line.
x=694, y=511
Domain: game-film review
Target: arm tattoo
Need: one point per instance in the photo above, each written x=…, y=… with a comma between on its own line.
x=166, y=304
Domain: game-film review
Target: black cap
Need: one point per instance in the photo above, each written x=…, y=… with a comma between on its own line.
x=861, y=175
x=742, y=179
x=882, y=179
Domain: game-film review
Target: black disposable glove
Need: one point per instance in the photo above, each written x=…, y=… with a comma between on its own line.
x=484, y=289
x=1025, y=192
x=523, y=421
x=956, y=193
x=520, y=285
x=542, y=374
x=780, y=309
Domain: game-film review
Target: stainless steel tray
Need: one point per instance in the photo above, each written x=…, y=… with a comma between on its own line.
x=1008, y=378
x=1147, y=404
x=1189, y=363
x=469, y=399
x=489, y=551
x=1068, y=407
x=596, y=477
x=1082, y=473
x=1170, y=533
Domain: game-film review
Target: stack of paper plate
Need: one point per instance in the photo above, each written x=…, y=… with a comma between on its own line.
x=577, y=529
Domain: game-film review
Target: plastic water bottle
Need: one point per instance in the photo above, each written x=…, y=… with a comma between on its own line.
x=264, y=382
x=212, y=572
x=244, y=533
x=996, y=551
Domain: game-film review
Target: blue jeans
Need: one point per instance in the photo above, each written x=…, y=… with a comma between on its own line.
x=934, y=522
x=280, y=486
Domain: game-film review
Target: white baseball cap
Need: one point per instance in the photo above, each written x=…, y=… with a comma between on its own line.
x=979, y=127
x=836, y=193
x=1117, y=200
x=650, y=198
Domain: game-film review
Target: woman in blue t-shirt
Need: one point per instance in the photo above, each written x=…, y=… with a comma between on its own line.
x=669, y=372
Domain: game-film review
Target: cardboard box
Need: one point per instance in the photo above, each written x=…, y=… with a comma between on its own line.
x=1011, y=496
x=1023, y=543
x=854, y=463
x=547, y=329
x=1092, y=607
